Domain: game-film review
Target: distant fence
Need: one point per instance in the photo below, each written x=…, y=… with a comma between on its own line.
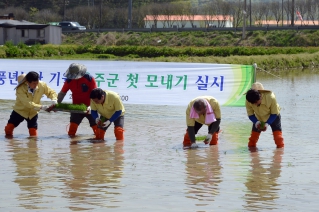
x=234, y=29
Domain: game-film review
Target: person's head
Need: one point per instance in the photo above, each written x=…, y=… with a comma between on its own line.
x=253, y=96
x=97, y=95
x=200, y=106
x=75, y=71
x=32, y=79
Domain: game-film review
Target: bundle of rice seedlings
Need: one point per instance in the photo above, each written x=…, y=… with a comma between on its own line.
x=200, y=137
x=67, y=106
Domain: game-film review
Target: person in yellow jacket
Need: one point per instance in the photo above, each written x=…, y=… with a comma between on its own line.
x=263, y=109
x=202, y=110
x=29, y=92
x=111, y=109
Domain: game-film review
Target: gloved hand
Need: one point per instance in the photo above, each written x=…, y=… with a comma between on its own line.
x=194, y=145
x=88, y=110
x=105, y=124
x=208, y=138
x=265, y=127
x=257, y=124
x=44, y=107
x=98, y=121
x=54, y=102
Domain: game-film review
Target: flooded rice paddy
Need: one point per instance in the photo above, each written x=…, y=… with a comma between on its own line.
x=150, y=171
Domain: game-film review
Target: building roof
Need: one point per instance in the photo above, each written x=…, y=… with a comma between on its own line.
x=21, y=24
x=298, y=22
x=188, y=17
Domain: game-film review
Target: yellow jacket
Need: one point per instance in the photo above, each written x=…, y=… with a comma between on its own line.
x=213, y=103
x=28, y=105
x=267, y=107
x=111, y=104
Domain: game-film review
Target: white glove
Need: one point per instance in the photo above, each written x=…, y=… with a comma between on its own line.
x=208, y=138
x=53, y=102
x=257, y=124
x=44, y=107
x=107, y=123
x=194, y=145
x=98, y=121
x=88, y=110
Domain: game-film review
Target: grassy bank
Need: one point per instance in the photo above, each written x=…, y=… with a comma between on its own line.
x=270, y=50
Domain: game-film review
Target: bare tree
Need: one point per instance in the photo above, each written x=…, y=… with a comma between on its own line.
x=191, y=14
x=168, y=12
x=46, y=15
x=301, y=7
x=258, y=12
x=182, y=9
x=237, y=12
x=19, y=13
x=276, y=11
x=225, y=8
x=138, y=15
x=155, y=12
x=209, y=13
x=312, y=10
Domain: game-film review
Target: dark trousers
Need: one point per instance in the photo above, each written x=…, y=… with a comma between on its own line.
x=78, y=117
x=275, y=126
x=16, y=119
x=212, y=128
x=119, y=122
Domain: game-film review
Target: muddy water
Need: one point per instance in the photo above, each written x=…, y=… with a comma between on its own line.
x=150, y=171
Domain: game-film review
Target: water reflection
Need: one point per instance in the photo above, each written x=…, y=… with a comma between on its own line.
x=95, y=174
x=203, y=170
x=28, y=176
x=262, y=183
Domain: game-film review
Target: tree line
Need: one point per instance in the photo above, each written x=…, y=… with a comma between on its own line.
x=99, y=14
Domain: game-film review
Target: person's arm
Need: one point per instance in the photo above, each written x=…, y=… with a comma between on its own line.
x=61, y=96
x=215, y=126
x=63, y=91
x=253, y=118
x=271, y=118
x=94, y=114
x=115, y=115
x=250, y=112
x=49, y=92
x=216, y=108
x=191, y=133
x=274, y=110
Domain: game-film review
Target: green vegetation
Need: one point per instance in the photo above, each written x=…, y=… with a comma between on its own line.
x=270, y=50
x=200, y=138
x=66, y=106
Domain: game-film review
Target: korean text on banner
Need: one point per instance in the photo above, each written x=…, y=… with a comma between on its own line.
x=155, y=83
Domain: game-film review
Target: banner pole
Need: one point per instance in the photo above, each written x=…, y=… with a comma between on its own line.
x=255, y=67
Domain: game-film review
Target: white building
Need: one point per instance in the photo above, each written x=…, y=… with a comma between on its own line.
x=187, y=21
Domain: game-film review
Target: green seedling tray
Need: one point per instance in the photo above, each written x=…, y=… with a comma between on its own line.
x=66, y=106
x=69, y=111
x=71, y=108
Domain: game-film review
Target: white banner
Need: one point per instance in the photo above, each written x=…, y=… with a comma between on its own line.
x=157, y=83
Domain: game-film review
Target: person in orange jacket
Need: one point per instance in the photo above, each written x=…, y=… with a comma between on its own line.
x=29, y=92
x=202, y=110
x=263, y=109
x=81, y=84
x=111, y=109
